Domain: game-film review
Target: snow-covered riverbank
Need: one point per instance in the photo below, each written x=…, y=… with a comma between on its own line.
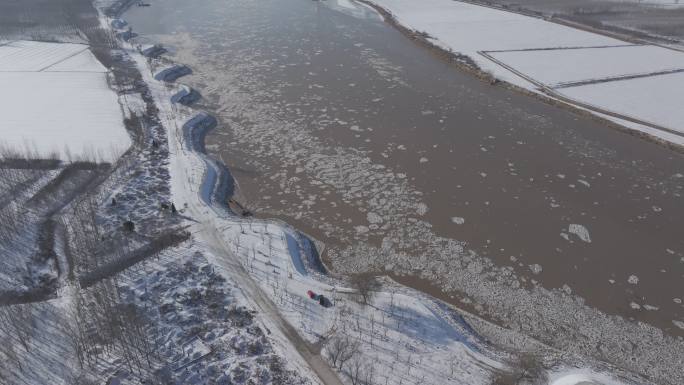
x=404, y=336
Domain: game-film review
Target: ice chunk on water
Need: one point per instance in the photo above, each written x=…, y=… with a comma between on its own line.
x=536, y=268
x=581, y=232
x=458, y=220
x=373, y=218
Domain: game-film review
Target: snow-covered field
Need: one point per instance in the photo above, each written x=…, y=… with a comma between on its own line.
x=468, y=28
x=545, y=53
x=656, y=3
x=637, y=97
x=55, y=99
x=557, y=67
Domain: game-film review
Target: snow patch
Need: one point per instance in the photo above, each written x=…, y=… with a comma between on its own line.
x=78, y=114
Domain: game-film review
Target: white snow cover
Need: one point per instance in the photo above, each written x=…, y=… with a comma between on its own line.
x=55, y=97
x=656, y=3
x=581, y=377
x=657, y=99
x=84, y=61
x=470, y=29
x=558, y=66
x=24, y=55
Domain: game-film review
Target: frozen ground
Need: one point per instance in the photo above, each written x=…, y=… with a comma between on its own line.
x=197, y=322
x=543, y=54
x=79, y=115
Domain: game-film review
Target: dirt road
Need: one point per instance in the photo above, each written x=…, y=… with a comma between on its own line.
x=187, y=191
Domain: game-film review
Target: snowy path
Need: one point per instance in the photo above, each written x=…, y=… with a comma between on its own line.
x=187, y=175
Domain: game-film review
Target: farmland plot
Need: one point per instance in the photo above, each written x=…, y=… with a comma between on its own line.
x=79, y=115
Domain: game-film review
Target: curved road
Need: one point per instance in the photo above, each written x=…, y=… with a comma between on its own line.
x=205, y=230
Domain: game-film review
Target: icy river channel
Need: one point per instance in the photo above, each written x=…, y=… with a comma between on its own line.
x=332, y=120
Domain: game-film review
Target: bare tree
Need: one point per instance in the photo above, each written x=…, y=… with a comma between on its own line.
x=356, y=370
x=17, y=321
x=341, y=349
x=360, y=371
x=369, y=373
x=9, y=355
x=365, y=285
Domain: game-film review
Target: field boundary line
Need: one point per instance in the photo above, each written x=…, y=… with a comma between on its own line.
x=556, y=95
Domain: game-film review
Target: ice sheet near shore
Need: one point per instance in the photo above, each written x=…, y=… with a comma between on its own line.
x=547, y=53
x=55, y=97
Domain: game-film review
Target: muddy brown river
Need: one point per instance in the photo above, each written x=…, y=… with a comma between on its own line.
x=399, y=163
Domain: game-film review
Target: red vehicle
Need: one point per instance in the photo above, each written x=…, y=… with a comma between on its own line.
x=318, y=297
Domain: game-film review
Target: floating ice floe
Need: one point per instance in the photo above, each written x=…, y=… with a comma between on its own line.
x=584, y=182
x=373, y=218
x=458, y=220
x=536, y=268
x=581, y=232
